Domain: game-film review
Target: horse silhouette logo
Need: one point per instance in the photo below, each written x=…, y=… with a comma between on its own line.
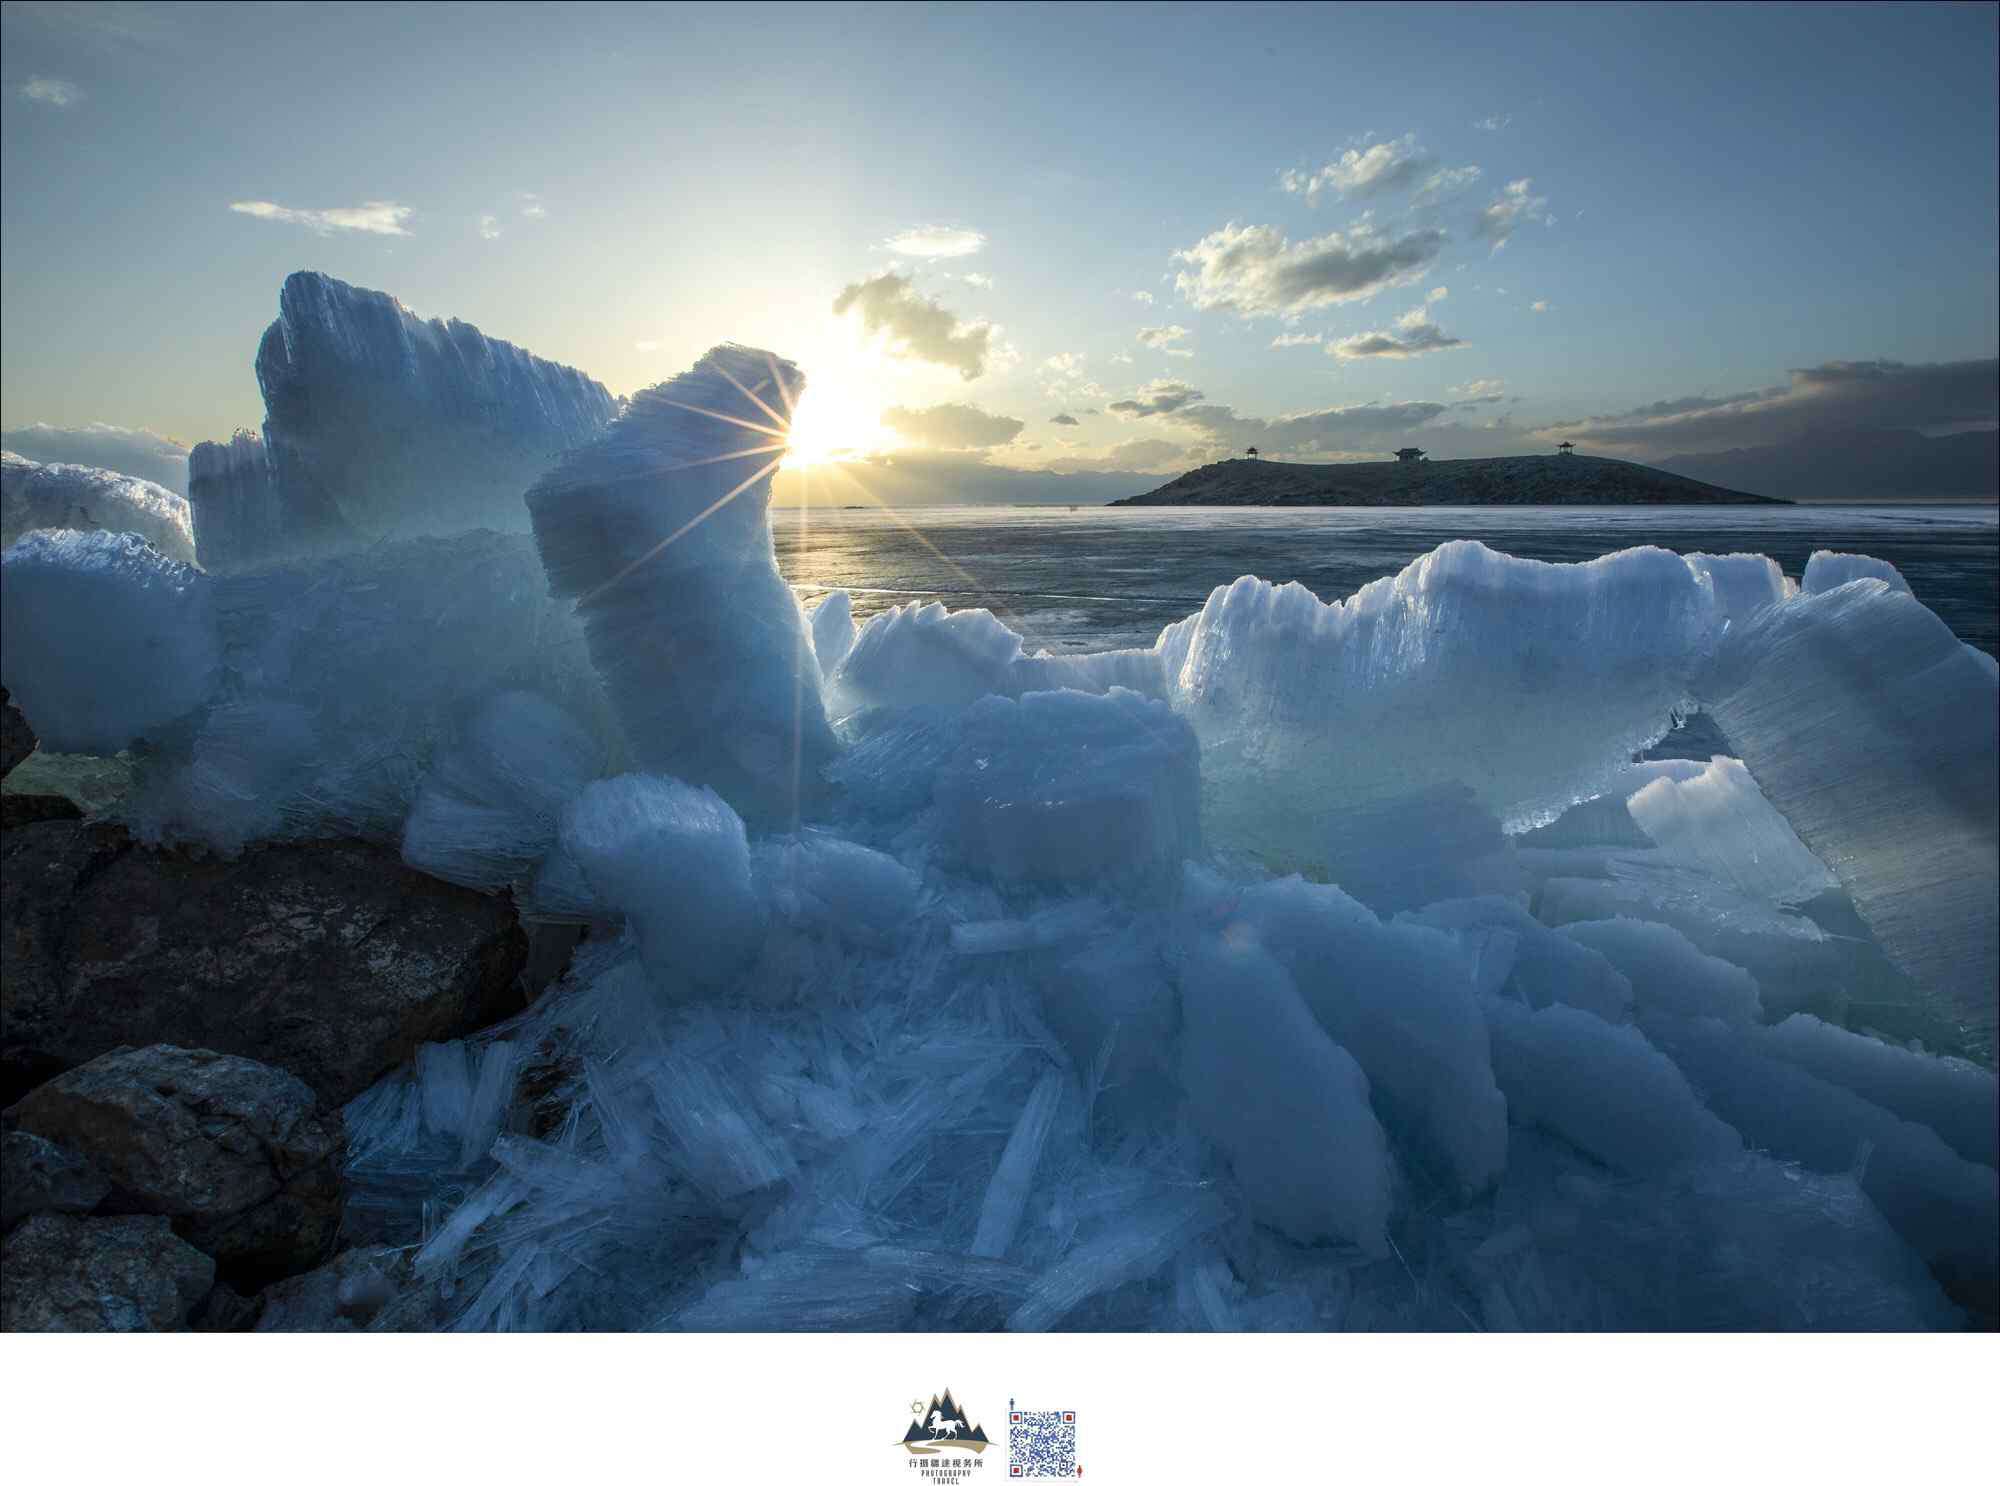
x=941, y=1425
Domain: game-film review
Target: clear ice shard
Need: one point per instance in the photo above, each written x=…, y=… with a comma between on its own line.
x=1305, y=708
x=660, y=532
x=1873, y=730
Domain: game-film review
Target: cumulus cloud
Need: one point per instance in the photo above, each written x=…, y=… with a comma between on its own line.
x=1539, y=306
x=1836, y=397
x=1297, y=340
x=1123, y=358
x=52, y=91
x=1356, y=429
x=1493, y=123
x=1159, y=337
x=1155, y=398
x=978, y=280
x=1441, y=292
x=1361, y=172
x=1513, y=206
x=1065, y=420
x=489, y=226
x=953, y=425
x=1414, y=335
x=385, y=218
x=936, y=242
x=1480, y=390
x=129, y=451
x=1064, y=362
x=1256, y=271
x=916, y=327
x=1143, y=296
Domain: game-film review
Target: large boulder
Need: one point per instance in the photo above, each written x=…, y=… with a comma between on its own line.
x=329, y=959
x=344, y=1294
x=39, y=1176
x=238, y=1154
x=17, y=739
x=61, y=1273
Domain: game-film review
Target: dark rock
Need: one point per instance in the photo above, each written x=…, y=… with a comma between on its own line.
x=39, y=1176
x=28, y=810
x=225, y=1310
x=59, y=1273
x=17, y=739
x=238, y=1154
x=329, y=959
x=344, y=1295
x=550, y=949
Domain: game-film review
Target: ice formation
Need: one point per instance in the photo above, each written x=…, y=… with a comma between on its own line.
x=1320, y=966
x=103, y=640
x=137, y=452
x=397, y=426
x=1874, y=732
x=75, y=497
x=659, y=531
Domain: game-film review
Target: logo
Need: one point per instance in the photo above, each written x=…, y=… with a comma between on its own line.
x=943, y=1442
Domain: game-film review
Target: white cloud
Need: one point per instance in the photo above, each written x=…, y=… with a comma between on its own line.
x=915, y=327
x=1158, y=396
x=1361, y=172
x=936, y=242
x=53, y=91
x=1482, y=387
x=1143, y=296
x=1354, y=429
x=1159, y=337
x=1122, y=358
x=1441, y=292
x=1414, y=335
x=1509, y=209
x=1297, y=340
x=979, y=280
x=1493, y=123
x=1539, y=305
x=1258, y=271
x=385, y=218
x=531, y=206
x=1451, y=178
x=953, y=425
x=1064, y=362
x=489, y=226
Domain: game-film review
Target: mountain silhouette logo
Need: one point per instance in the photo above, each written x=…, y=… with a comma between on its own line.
x=941, y=1425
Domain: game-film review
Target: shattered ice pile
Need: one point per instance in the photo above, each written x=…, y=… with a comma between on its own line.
x=75, y=497
x=1323, y=966
x=659, y=532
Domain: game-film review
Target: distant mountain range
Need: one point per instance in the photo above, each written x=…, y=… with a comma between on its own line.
x=1887, y=464
x=1514, y=480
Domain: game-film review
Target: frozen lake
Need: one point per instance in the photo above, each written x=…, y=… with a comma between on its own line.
x=1097, y=578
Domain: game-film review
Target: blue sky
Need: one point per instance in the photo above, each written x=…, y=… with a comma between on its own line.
x=1719, y=205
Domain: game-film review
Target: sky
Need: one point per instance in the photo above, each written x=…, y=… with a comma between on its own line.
x=1071, y=239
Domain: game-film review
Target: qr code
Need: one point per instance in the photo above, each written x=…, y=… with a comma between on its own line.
x=1042, y=1443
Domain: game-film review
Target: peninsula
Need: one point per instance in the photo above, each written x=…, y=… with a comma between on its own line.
x=1520, y=480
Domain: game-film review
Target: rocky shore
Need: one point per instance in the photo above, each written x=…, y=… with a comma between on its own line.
x=178, y=1035
x=1526, y=480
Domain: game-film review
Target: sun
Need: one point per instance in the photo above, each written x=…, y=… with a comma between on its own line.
x=831, y=423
